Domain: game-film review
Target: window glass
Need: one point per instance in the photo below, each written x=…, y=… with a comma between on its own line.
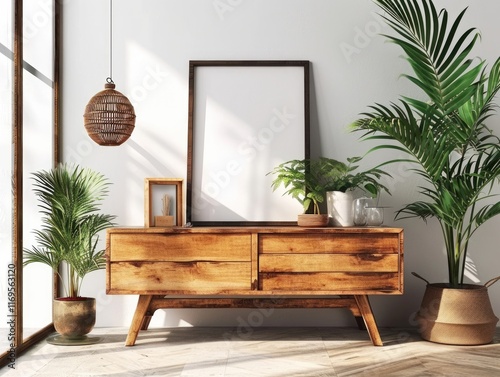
x=6, y=198
x=38, y=35
x=37, y=155
x=37, y=125
x=6, y=25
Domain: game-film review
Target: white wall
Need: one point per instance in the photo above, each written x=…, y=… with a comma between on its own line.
x=352, y=67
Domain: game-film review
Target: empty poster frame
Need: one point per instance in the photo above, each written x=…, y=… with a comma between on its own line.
x=245, y=117
x=154, y=190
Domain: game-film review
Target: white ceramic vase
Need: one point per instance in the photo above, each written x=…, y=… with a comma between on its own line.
x=339, y=206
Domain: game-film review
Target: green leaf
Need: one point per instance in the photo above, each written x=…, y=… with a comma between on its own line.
x=69, y=200
x=444, y=134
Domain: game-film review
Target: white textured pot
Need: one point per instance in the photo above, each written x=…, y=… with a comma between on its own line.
x=340, y=208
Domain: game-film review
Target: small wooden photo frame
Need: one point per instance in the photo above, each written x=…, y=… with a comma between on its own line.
x=157, y=192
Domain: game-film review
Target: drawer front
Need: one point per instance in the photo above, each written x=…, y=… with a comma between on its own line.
x=369, y=283
x=179, y=247
x=178, y=277
x=296, y=263
x=385, y=243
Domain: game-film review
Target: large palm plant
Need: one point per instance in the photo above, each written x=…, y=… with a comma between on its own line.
x=69, y=199
x=446, y=136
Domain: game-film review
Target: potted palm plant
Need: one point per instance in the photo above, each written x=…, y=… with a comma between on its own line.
x=69, y=198
x=309, y=180
x=446, y=138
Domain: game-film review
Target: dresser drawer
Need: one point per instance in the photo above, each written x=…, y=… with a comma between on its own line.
x=330, y=243
x=179, y=277
x=179, y=247
x=329, y=263
x=339, y=282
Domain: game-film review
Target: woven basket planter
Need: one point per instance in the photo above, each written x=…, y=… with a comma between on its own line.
x=458, y=316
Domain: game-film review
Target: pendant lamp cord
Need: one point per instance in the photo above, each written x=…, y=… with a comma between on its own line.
x=110, y=78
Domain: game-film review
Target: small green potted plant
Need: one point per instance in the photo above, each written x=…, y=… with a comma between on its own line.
x=309, y=180
x=301, y=180
x=69, y=198
x=446, y=138
x=340, y=180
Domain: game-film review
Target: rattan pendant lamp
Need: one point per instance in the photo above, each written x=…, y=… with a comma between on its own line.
x=109, y=116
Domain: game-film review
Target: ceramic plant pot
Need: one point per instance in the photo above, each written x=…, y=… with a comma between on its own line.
x=457, y=316
x=74, y=318
x=340, y=208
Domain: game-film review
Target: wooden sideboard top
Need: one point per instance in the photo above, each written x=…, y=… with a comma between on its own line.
x=254, y=229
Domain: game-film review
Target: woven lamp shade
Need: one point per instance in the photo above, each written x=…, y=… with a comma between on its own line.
x=109, y=117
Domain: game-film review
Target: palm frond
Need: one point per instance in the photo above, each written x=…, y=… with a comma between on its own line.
x=438, y=56
x=69, y=200
x=416, y=137
x=446, y=137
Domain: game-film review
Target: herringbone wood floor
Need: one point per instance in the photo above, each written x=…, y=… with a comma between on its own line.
x=277, y=352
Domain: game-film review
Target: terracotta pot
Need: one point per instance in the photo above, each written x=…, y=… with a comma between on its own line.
x=458, y=316
x=73, y=318
x=311, y=220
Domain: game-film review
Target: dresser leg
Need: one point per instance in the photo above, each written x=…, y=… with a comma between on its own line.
x=369, y=319
x=360, y=322
x=145, y=321
x=137, y=321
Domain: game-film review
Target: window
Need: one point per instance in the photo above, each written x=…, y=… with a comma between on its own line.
x=29, y=71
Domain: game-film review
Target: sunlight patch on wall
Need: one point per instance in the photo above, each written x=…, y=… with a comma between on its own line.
x=159, y=95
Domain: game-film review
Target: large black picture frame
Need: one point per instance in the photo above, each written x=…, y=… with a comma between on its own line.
x=244, y=118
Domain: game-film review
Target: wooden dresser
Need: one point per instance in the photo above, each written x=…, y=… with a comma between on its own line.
x=254, y=267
